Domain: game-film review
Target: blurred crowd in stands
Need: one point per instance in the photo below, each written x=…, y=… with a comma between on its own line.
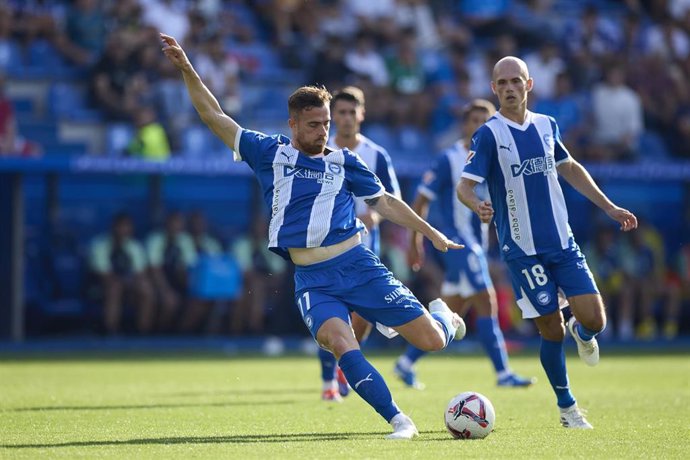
x=613, y=73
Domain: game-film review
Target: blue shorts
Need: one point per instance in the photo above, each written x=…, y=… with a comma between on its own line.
x=353, y=281
x=537, y=279
x=467, y=272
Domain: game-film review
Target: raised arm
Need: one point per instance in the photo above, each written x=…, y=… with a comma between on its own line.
x=204, y=102
x=577, y=176
x=395, y=210
x=468, y=197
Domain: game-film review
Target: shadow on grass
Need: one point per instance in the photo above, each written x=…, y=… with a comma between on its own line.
x=238, y=439
x=246, y=391
x=150, y=406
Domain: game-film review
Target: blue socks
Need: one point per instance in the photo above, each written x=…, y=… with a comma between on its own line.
x=445, y=319
x=368, y=383
x=491, y=337
x=552, y=358
x=584, y=333
x=413, y=353
x=327, y=365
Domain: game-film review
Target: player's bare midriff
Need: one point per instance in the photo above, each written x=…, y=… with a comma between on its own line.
x=309, y=256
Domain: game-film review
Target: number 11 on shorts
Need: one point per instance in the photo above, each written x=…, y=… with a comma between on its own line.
x=304, y=303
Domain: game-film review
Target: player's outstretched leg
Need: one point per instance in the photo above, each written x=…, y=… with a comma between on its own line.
x=329, y=391
x=365, y=380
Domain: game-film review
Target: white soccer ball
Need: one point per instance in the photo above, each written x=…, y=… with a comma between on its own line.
x=470, y=415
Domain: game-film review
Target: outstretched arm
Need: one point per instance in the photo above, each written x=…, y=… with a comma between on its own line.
x=204, y=102
x=468, y=197
x=395, y=210
x=415, y=252
x=577, y=176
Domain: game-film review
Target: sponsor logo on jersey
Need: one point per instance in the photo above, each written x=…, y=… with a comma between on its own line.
x=513, y=215
x=505, y=147
x=531, y=166
x=321, y=177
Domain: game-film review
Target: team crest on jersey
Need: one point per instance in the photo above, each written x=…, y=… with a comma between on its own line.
x=470, y=156
x=428, y=177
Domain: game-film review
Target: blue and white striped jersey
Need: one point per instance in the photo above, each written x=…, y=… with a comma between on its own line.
x=377, y=160
x=519, y=164
x=311, y=199
x=438, y=184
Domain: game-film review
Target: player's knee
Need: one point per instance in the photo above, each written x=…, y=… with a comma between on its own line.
x=554, y=332
x=597, y=323
x=339, y=344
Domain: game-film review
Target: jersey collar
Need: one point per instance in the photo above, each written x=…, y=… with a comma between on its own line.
x=512, y=124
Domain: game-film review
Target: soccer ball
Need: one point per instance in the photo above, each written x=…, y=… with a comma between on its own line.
x=470, y=415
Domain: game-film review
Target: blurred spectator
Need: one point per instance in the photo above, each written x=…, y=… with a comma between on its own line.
x=678, y=292
x=84, y=32
x=171, y=254
x=564, y=106
x=617, y=111
x=641, y=283
x=544, y=66
x=196, y=314
x=668, y=40
x=150, y=141
x=167, y=16
x=220, y=73
x=418, y=16
x=116, y=87
x=329, y=67
x=335, y=20
x=412, y=104
x=363, y=59
x=486, y=17
x=374, y=17
x=263, y=274
x=11, y=143
x=120, y=263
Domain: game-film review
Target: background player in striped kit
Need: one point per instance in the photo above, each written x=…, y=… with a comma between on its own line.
x=310, y=190
x=348, y=112
x=467, y=282
x=520, y=155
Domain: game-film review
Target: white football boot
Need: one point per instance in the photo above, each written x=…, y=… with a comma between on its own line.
x=438, y=305
x=573, y=417
x=403, y=427
x=588, y=350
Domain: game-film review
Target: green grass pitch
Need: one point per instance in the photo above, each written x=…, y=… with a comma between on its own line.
x=205, y=406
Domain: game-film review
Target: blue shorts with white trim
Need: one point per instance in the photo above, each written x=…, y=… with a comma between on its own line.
x=537, y=279
x=353, y=281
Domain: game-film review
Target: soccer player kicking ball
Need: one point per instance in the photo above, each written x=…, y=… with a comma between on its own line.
x=348, y=110
x=310, y=191
x=467, y=282
x=520, y=155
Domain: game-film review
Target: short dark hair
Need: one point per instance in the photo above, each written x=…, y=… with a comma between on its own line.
x=478, y=104
x=349, y=94
x=308, y=97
